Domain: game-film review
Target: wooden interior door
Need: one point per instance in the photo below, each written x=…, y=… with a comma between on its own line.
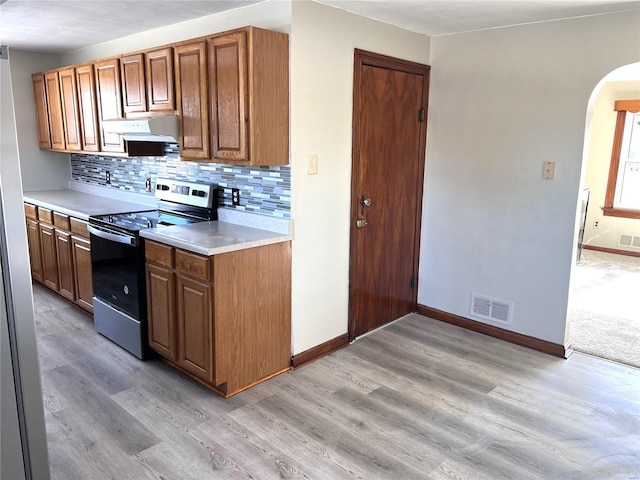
x=389, y=134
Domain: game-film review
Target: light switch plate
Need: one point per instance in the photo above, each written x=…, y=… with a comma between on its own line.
x=549, y=170
x=312, y=164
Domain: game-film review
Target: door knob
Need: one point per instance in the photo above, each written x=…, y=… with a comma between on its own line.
x=361, y=223
x=364, y=202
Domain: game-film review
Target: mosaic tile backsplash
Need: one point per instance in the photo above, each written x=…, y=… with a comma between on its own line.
x=265, y=190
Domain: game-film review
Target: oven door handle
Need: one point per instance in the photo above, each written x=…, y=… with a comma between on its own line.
x=114, y=237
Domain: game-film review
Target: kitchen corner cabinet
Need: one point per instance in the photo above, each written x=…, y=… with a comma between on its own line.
x=60, y=254
x=249, y=95
x=86, y=85
x=191, y=100
x=107, y=75
x=225, y=320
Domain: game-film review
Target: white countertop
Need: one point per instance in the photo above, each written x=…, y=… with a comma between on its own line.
x=80, y=204
x=213, y=238
x=235, y=230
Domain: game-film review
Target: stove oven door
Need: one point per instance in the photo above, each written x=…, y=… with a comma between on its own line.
x=119, y=301
x=117, y=263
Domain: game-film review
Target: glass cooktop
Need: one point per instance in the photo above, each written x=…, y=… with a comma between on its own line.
x=139, y=220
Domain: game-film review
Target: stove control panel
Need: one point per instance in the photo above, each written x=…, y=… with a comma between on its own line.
x=188, y=193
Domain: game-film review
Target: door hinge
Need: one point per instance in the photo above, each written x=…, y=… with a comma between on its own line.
x=421, y=115
x=412, y=282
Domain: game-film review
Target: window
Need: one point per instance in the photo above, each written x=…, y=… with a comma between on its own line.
x=622, y=198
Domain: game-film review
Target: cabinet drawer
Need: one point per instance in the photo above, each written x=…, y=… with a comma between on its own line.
x=158, y=253
x=192, y=264
x=45, y=215
x=61, y=220
x=31, y=211
x=79, y=227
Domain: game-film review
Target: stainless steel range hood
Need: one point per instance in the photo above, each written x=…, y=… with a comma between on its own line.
x=152, y=129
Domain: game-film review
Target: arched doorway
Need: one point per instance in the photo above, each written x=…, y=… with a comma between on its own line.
x=604, y=307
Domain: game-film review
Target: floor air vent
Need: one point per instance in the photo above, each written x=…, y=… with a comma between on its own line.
x=629, y=241
x=491, y=308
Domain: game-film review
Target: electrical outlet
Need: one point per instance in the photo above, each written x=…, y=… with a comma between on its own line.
x=108, y=177
x=147, y=184
x=235, y=196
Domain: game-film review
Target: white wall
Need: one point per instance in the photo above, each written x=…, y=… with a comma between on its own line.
x=272, y=14
x=41, y=169
x=322, y=49
x=600, y=145
x=502, y=102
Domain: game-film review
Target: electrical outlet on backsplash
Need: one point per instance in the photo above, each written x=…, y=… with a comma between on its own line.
x=265, y=190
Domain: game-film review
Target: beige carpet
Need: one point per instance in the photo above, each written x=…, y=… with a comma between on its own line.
x=604, y=307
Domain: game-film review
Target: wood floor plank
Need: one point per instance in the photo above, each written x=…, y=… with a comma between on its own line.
x=419, y=399
x=310, y=452
x=93, y=415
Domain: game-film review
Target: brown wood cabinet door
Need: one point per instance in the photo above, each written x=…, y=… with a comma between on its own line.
x=161, y=311
x=64, y=252
x=54, y=107
x=109, y=103
x=42, y=115
x=82, y=271
x=134, y=98
x=70, y=113
x=191, y=100
x=195, y=318
x=33, y=238
x=229, y=102
x=159, y=72
x=88, y=109
x=49, y=259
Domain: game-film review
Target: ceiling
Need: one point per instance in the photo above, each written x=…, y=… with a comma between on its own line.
x=57, y=26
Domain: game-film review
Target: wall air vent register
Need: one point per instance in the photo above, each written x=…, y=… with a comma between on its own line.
x=491, y=309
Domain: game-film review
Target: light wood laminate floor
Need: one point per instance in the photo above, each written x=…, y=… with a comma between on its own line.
x=419, y=399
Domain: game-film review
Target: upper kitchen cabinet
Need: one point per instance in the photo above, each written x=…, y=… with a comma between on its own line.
x=192, y=100
x=147, y=83
x=249, y=96
x=70, y=112
x=54, y=107
x=134, y=96
x=159, y=73
x=87, y=106
x=42, y=114
x=107, y=73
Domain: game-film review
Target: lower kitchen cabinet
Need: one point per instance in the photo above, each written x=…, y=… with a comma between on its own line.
x=60, y=254
x=64, y=254
x=162, y=330
x=194, y=327
x=82, y=272
x=49, y=257
x=33, y=238
x=225, y=320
